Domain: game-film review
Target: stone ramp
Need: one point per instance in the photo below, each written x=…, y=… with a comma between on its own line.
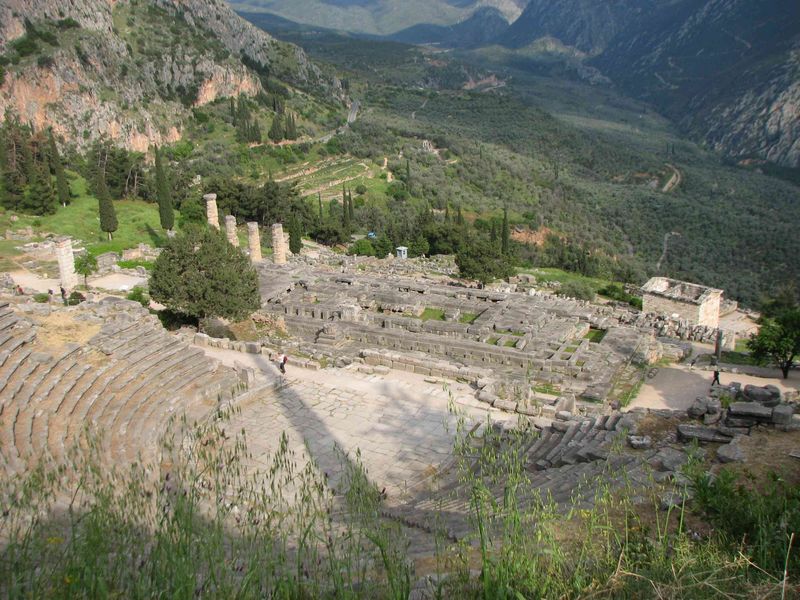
x=125, y=384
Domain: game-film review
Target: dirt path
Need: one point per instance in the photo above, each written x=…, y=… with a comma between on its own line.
x=677, y=386
x=674, y=181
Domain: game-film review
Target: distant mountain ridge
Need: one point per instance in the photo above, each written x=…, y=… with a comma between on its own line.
x=132, y=70
x=381, y=17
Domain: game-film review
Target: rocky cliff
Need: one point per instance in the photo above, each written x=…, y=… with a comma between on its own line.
x=727, y=71
x=133, y=70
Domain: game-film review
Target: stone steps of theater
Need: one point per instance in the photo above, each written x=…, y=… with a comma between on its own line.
x=33, y=397
x=47, y=402
x=145, y=417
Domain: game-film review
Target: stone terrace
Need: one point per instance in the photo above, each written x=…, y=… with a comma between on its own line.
x=125, y=382
x=517, y=336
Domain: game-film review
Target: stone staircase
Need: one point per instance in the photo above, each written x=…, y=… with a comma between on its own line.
x=563, y=463
x=125, y=384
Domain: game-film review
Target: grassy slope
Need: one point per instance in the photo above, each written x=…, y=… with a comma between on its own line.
x=138, y=222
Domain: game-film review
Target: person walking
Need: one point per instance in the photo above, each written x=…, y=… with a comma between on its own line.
x=64, y=296
x=715, y=381
x=282, y=360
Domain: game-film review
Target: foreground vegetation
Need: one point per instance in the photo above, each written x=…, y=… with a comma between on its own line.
x=202, y=524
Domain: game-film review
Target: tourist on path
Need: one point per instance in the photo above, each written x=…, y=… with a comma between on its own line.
x=282, y=360
x=64, y=296
x=715, y=381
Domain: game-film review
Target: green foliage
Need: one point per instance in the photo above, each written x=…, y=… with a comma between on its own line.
x=138, y=294
x=617, y=292
x=200, y=274
x=483, y=261
x=165, y=212
x=295, y=235
x=85, y=265
x=57, y=166
x=777, y=340
x=108, y=215
x=467, y=318
x=362, y=247
x=763, y=519
x=132, y=264
x=41, y=298
x=192, y=214
x=432, y=314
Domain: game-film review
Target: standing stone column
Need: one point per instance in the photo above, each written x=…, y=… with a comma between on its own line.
x=66, y=264
x=230, y=230
x=254, y=241
x=211, y=210
x=278, y=245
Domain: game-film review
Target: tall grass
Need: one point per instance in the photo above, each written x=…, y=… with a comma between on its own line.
x=202, y=521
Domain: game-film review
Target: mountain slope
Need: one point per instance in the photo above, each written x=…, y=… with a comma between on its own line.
x=587, y=25
x=132, y=71
x=379, y=17
x=727, y=71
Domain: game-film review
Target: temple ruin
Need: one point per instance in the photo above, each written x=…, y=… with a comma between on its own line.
x=695, y=304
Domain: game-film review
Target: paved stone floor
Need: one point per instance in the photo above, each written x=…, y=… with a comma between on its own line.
x=401, y=423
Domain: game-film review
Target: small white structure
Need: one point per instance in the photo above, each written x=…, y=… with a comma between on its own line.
x=402, y=252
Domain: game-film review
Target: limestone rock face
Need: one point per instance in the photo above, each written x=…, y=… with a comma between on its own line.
x=113, y=76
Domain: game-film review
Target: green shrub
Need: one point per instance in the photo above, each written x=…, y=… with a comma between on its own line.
x=41, y=298
x=763, y=519
x=577, y=289
x=138, y=294
x=362, y=247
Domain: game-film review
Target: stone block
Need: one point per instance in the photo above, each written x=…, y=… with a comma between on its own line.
x=688, y=432
x=740, y=422
x=713, y=406
x=486, y=397
x=752, y=410
x=530, y=410
x=253, y=347
x=561, y=426
x=733, y=431
x=508, y=405
x=563, y=415
x=201, y=339
x=782, y=414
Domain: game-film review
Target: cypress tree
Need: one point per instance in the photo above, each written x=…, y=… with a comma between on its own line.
x=108, y=216
x=350, y=205
x=295, y=235
x=276, y=130
x=505, y=234
x=62, y=185
x=459, y=217
x=319, y=200
x=41, y=197
x=165, y=212
x=493, y=234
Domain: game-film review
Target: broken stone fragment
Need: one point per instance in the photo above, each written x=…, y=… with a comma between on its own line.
x=640, y=442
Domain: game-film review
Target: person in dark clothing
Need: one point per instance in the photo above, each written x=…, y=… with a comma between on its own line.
x=64, y=295
x=716, y=381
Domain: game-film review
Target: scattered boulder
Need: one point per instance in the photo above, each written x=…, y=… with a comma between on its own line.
x=669, y=459
x=768, y=395
x=698, y=408
x=713, y=406
x=731, y=452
